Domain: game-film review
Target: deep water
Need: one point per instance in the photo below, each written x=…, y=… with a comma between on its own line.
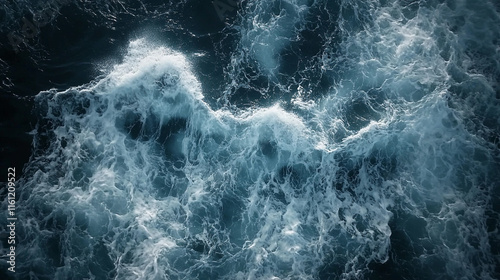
x=263, y=139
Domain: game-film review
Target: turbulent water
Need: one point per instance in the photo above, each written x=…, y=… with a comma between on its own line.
x=291, y=139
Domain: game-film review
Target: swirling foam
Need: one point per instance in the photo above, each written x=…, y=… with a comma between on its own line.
x=391, y=173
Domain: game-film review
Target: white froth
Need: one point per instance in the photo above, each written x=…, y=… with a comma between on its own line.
x=152, y=183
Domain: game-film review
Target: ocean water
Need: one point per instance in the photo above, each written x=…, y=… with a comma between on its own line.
x=289, y=139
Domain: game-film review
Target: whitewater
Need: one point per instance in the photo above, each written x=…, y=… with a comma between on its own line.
x=347, y=140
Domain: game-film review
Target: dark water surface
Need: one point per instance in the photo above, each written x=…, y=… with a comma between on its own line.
x=251, y=140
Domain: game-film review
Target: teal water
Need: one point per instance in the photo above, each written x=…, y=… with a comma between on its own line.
x=291, y=140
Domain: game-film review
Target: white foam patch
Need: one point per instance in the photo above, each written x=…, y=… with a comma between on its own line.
x=152, y=212
x=134, y=176
x=268, y=27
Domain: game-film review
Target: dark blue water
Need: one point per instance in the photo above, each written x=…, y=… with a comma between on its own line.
x=252, y=140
